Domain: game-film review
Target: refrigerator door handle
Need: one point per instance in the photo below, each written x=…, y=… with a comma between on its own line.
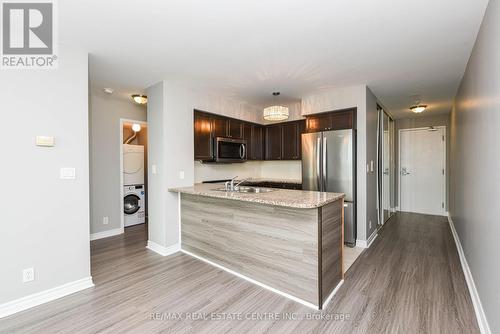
x=325, y=174
x=318, y=164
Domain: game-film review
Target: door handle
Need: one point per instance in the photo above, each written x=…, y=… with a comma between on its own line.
x=318, y=164
x=404, y=171
x=324, y=164
x=242, y=151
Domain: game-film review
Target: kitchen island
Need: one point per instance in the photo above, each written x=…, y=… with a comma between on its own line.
x=289, y=241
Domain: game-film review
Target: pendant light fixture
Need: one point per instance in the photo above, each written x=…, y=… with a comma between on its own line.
x=276, y=112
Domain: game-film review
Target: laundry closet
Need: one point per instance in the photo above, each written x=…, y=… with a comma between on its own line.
x=134, y=169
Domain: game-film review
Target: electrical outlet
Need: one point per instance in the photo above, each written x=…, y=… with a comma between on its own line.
x=105, y=220
x=28, y=275
x=370, y=225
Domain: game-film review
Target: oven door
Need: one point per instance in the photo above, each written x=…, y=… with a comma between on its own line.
x=230, y=150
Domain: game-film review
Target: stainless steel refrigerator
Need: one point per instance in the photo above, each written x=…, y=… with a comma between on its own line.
x=328, y=164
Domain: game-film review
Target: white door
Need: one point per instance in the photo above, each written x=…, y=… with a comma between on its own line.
x=422, y=170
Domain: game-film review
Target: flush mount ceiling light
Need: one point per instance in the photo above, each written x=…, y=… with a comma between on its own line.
x=140, y=99
x=418, y=108
x=136, y=127
x=276, y=112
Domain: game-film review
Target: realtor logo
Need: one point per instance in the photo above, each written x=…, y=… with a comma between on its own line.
x=28, y=35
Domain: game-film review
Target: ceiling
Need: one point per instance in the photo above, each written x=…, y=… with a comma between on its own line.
x=248, y=49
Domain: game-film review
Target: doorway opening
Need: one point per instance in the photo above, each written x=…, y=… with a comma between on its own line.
x=133, y=173
x=422, y=170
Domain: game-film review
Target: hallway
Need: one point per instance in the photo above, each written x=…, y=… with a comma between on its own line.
x=409, y=281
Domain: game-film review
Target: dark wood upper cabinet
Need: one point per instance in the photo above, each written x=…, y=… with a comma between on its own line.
x=302, y=129
x=335, y=120
x=258, y=142
x=219, y=126
x=235, y=128
x=319, y=123
x=290, y=141
x=281, y=141
x=273, y=142
x=342, y=120
x=203, y=149
x=248, y=136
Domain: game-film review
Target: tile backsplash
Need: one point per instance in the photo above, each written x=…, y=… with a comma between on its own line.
x=290, y=170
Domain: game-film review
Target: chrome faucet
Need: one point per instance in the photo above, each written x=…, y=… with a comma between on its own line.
x=230, y=186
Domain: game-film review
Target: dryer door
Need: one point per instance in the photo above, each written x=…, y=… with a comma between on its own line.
x=131, y=204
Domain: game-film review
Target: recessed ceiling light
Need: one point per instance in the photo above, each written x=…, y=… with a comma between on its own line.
x=140, y=99
x=418, y=108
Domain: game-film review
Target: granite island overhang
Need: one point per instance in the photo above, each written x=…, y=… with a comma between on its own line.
x=288, y=241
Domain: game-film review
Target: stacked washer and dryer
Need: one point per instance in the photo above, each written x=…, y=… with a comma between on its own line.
x=134, y=192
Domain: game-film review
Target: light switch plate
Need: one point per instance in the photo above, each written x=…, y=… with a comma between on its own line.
x=67, y=173
x=28, y=275
x=181, y=175
x=47, y=141
x=154, y=169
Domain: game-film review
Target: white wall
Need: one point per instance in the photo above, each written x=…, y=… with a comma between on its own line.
x=475, y=164
x=105, y=113
x=46, y=223
x=171, y=145
x=358, y=96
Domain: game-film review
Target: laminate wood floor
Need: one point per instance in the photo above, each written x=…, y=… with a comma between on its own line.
x=409, y=281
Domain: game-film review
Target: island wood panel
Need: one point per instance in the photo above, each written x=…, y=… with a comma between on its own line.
x=277, y=246
x=332, y=242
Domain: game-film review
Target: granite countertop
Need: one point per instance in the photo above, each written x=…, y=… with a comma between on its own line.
x=300, y=199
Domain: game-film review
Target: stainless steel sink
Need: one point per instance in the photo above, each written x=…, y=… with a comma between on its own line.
x=252, y=190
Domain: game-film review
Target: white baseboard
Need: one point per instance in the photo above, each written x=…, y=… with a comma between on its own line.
x=367, y=243
x=476, y=301
x=251, y=280
x=106, y=234
x=332, y=294
x=163, y=251
x=46, y=296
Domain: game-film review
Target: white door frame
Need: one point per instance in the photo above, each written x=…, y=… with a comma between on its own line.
x=445, y=183
x=122, y=122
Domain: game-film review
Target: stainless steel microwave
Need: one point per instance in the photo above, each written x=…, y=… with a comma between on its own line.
x=230, y=150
